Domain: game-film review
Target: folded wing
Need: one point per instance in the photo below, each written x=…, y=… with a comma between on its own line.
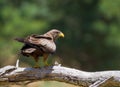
x=40, y=42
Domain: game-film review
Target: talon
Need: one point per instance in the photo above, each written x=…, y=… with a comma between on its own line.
x=45, y=56
x=46, y=64
x=37, y=65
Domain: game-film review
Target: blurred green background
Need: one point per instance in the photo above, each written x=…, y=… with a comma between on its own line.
x=91, y=28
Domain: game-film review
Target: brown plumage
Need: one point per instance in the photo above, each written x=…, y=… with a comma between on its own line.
x=40, y=45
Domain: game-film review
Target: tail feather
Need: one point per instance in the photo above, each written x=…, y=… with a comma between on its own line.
x=19, y=39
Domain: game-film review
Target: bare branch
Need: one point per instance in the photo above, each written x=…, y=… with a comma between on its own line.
x=17, y=63
x=12, y=74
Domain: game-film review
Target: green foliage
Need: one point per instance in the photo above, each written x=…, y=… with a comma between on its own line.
x=91, y=27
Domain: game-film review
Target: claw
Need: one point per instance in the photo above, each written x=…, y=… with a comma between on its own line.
x=37, y=65
x=45, y=56
x=46, y=63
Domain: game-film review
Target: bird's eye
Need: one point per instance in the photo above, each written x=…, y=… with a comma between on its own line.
x=57, y=32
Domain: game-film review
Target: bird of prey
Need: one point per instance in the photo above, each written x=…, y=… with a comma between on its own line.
x=40, y=45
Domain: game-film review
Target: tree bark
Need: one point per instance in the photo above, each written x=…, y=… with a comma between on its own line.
x=13, y=74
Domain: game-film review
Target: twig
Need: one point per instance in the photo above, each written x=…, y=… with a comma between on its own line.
x=17, y=63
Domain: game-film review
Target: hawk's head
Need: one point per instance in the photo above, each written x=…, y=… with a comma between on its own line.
x=54, y=33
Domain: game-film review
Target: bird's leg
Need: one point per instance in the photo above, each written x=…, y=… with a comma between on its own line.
x=45, y=56
x=36, y=63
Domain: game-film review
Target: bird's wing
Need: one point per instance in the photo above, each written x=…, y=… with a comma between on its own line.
x=29, y=50
x=44, y=42
x=19, y=39
x=25, y=40
x=41, y=36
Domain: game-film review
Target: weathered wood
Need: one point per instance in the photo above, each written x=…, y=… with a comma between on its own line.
x=12, y=74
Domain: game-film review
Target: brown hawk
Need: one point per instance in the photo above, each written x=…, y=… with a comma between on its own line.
x=40, y=45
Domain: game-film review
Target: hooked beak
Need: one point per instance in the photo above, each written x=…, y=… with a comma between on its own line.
x=61, y=35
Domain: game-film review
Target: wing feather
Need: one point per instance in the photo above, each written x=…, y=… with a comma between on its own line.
x=47, y=45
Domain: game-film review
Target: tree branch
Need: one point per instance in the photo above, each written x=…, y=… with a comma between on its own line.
x=12, y=74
